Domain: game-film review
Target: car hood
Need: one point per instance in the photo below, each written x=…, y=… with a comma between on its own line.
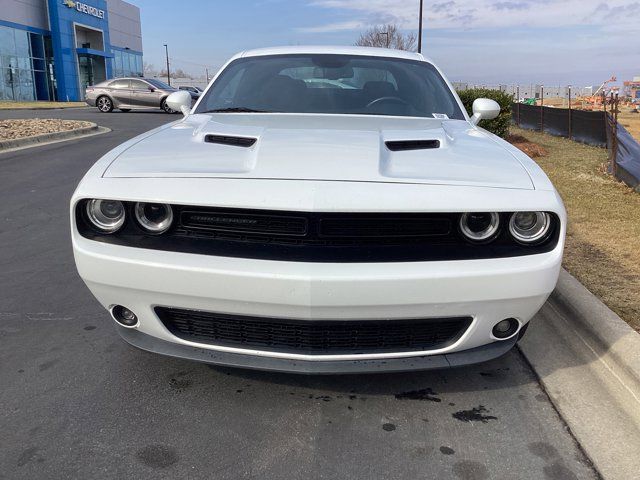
x=323, y=147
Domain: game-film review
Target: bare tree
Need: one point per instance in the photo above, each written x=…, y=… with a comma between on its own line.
x=387, y=36
x=149, y=69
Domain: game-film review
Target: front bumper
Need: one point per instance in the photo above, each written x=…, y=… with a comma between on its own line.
x=487, y=290
x=236, y=360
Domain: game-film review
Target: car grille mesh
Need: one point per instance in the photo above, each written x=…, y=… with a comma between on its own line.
x=315, y=229
x=313, y=337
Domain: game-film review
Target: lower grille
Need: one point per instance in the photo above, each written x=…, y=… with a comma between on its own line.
x=316, y=337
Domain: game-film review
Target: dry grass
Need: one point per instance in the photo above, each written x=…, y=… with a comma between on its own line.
x=603, y=238
x=630, y=121
x=5, y=105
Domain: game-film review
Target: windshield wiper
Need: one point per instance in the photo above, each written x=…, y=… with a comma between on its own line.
x=235, y=110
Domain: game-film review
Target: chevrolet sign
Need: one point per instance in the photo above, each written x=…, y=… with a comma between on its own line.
x=84, y=8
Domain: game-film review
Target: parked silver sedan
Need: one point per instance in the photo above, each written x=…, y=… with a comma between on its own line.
x=126, y=94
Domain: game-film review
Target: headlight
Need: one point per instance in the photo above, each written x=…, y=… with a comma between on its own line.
x=529, y=227
x=479, y=226
x=154, y=217
x=106, y=215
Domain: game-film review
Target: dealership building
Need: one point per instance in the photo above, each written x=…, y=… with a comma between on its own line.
x=53, y=49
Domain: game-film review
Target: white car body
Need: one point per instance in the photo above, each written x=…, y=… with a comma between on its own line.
x=320, y=163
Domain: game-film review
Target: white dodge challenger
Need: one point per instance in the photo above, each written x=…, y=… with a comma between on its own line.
x=321, y=210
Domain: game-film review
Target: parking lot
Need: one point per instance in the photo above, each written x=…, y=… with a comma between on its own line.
x=78, y=402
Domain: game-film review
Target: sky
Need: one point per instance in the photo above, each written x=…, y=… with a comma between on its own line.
x=551, y=42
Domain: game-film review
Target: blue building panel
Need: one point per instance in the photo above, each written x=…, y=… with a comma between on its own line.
x=75, y=52
x=64, y=15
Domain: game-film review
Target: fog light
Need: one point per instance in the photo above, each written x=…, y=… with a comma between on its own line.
x=505, y=328
x=124, y=316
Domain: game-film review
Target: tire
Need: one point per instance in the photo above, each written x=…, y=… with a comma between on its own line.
x=104, y=104
x=165, y=107
x=125, y=110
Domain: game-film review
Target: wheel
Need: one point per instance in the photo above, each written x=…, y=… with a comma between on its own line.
x=125, y=110
x=165, y=107
x=104, y=104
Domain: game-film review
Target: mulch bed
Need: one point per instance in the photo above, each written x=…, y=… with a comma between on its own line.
x=13, y=129
x=532, y=149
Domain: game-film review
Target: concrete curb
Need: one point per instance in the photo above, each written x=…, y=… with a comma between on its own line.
x=587, y=359
x=606, y=328
x=48, y=137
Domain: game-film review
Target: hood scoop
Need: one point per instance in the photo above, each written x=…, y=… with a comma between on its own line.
x=245, y=142
x=404, y=145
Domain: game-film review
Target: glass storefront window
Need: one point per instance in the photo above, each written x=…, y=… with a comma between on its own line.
x=22, y=65
x=26, y=86
x=126, y=64
x=22, y=43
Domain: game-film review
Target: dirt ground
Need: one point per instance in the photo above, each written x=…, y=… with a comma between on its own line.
x=603, y=238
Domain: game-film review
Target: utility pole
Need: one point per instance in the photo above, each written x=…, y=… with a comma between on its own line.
x=207, y=73
x=166, y=50
x=570, y=126
x=420, y=29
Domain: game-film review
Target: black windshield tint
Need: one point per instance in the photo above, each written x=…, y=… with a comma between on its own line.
x=335, y=84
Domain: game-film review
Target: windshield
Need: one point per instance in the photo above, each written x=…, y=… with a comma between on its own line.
x=335, y=84
x=158, y=84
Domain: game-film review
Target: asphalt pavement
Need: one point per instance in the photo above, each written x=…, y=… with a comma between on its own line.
x=77, y=402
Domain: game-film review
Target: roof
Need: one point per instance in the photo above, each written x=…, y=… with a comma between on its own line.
x=336, y=50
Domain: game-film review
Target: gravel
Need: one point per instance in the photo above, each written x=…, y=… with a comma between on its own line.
x=12, y=129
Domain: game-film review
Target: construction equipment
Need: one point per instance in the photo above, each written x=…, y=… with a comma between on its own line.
x=600, y=96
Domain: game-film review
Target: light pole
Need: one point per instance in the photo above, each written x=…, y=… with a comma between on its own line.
x=420, y=29
x=166, y=50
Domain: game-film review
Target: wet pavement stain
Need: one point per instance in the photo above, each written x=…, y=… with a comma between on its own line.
x=47, y=365
x=179, y=385
x=557, y=471
x=476, y=414
x=543, y=450
x=157, y=456
x=447, y=450
x=470, y=470
x=28, y=455
x=388, y=427
x=424, y=394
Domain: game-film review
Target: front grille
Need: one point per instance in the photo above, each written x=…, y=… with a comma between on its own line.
x=311, y=228
x=313, y=337
x=221, y=221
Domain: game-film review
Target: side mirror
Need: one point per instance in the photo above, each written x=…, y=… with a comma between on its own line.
x=484, y=109
x=151, y=89
x=180, y=101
